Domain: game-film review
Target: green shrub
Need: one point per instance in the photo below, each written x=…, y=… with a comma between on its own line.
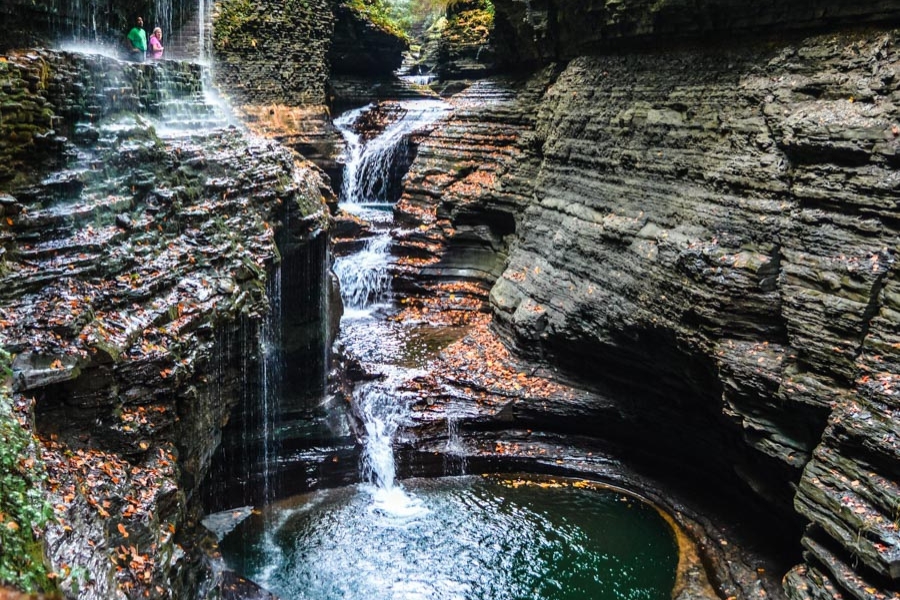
x=383, y=14
x=23, y=507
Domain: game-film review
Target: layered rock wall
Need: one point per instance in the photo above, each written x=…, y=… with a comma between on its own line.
x=134, y=270
x=709, y=233
x=273, y=52
x=532, y=31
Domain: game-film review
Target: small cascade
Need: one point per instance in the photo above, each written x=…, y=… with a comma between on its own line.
x=381, y=415
x=271, y=368
x=374, y=166
x=455, y=451
x=382, y=411
x=364, y=276
x=419, y=79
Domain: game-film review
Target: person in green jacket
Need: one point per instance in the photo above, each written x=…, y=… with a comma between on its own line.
x=137, y=37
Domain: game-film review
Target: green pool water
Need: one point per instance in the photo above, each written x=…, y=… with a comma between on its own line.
x=474, y=537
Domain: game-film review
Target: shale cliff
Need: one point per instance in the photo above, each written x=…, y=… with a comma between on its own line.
x=285, y=65
x=706, y=232
x=136, y=264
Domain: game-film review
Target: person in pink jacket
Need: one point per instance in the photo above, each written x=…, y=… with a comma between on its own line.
x=155, y=51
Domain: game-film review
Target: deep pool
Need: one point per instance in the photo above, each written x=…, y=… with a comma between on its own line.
x=474, y=537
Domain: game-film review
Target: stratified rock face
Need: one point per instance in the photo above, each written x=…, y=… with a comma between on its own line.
x=463, y=48
x=305, y=129
x=529, y=31
x=711, y=235
x=459, y=219
x=273, y=52
x=135, y=262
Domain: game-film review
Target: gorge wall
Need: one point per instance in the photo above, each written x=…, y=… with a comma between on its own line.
x=135, y=267
x=284, y=66
x=705, y=230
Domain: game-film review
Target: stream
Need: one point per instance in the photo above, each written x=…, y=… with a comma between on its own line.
x=468, y=536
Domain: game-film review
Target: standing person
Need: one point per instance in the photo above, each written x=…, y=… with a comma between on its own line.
x=137, y=38
x=156, y=47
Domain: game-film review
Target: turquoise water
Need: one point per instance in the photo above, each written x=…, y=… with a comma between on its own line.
x=473, y=538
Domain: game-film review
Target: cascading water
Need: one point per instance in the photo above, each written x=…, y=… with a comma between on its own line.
x=371, y=167
x=270, y=377
x=365, y=277
x=479, y=538
x=370, y=180
x=455, y=451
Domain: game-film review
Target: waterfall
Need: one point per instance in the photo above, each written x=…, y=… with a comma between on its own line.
x=270, y=365
x=381, y=417
x=455, y=457
x=382, y=410
x=373, y=166
x=365, y=277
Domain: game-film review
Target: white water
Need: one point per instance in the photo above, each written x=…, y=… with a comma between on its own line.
x=419, y=79
x=270, y=377
x=364, y=276
x=365, y=279
x=368, y=164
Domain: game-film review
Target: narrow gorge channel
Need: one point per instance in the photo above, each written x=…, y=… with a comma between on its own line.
x=463, y=299
x=479, y=537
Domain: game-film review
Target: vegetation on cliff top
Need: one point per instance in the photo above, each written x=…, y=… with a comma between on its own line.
x=23, y=509
x=404, y=17
x=382, y=14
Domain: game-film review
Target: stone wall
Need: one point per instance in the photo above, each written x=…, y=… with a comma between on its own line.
x=708, y=232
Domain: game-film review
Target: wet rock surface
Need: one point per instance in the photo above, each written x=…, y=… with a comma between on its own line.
x=134, y=256
x=708, y=237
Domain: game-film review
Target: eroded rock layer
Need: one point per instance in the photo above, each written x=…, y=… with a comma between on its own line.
x=273, y=52
x=529, y=31
x=134, y=271
x=708, y=234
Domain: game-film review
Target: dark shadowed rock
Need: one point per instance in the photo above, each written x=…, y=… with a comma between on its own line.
x=708, y=232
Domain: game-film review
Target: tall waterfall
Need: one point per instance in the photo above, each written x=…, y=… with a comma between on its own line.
x=371, y=177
